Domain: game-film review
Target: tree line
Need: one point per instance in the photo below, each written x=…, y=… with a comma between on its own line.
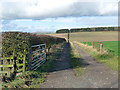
x=87, y=29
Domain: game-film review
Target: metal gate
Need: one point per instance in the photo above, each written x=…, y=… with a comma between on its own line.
x=38, y=56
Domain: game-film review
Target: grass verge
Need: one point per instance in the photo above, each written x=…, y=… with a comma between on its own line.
x=108, y=59
x=33, y=79
x=76, y=61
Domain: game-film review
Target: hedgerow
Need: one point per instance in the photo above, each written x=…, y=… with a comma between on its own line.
x=17, y=44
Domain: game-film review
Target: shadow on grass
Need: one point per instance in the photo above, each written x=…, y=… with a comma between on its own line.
x=77, y=63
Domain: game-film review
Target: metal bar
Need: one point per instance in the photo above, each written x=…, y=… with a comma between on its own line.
x=40, y=65
x=36, y=65
x=38, y=50
x=37, y=55
x=37, y=58
x=36, y=62
x=38, y=45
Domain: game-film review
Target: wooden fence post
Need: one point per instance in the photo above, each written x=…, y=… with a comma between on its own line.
x=30, y=58
x=101, y=48
x=93, y=44
x=86, y=43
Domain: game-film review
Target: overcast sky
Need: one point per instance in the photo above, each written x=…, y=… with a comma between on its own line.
x=50, y=15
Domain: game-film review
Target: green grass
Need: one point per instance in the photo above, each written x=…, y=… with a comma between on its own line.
x=33, y=79
x=76, y=61
x=110, y=46
x=108, y=59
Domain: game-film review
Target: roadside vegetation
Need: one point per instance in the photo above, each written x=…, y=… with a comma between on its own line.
x=76, y=61
x=33, y=79
x=109, y=58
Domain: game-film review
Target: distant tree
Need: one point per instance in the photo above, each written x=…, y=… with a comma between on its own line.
x=62, y=31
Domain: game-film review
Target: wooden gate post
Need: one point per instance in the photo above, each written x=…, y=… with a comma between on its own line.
x=30, y=58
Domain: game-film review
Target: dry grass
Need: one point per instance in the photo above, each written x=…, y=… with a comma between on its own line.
x=94, y=36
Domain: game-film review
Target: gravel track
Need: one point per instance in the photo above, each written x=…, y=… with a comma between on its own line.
x=97, y=75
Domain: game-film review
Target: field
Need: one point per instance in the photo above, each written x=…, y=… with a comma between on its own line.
x=109, y=40
x=94, y=36
x=111, y=46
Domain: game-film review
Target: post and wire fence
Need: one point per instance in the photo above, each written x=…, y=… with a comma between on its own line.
x=95, y=44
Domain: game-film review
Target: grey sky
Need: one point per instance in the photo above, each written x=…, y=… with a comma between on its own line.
x=56, y=11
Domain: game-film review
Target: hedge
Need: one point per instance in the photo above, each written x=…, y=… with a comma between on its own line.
x=18, y=42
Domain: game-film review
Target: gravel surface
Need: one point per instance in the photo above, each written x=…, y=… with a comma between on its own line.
x=96, y=75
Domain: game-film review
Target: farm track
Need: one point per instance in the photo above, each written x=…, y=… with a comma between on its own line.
x=97, y=75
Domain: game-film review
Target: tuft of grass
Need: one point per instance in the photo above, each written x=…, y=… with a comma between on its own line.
x=108, y=59
x=76, y=61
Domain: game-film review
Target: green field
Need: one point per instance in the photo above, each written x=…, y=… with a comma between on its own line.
x=111, y=46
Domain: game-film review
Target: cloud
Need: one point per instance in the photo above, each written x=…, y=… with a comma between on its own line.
x=41, y=9
x=53, y=24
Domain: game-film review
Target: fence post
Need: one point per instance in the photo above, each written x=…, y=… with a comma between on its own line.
x=93, y=44
x=101, y=48
x=86, y=43
x=30, y=58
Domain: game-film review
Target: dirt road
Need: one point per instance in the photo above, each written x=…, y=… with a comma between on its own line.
x=97, y=75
